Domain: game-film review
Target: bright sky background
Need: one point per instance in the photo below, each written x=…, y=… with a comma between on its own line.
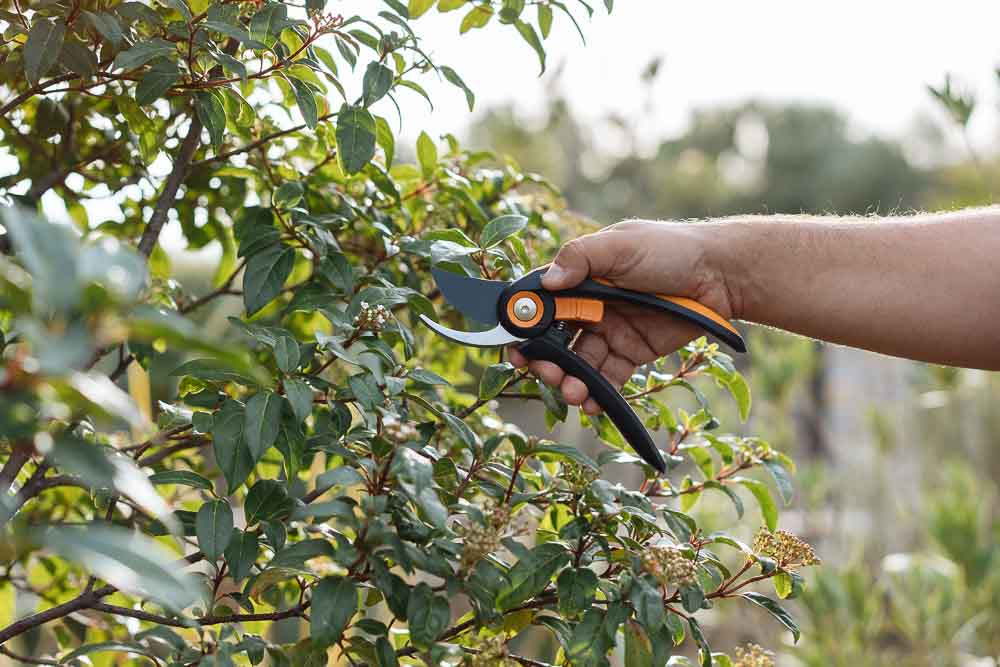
x=871, y=59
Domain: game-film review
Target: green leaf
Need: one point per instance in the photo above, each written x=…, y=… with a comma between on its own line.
x=545, y=449
x=584, y=647
x=477, y=17
x=231, y=451
x=576, y=588
x=267, y=500
x=418, y=8
x=385, y=654
x=459, y=427
x=300, y=397
x=768, y=508
x=334, y=602
x=638, y=648
x=704, y=649
x=415, y=475
x=500, y=229
x=427, y=155
x=126, y=559
x=157, y=81
x=265, y=275
x=106, y=24
x=692, y=597
x=427, y=615
x=263, y=416
x=288, y=194
x=214, y=528
x=453, y=78
x=531, y=37
x=531, y=574
x=385, y=139
x=450, y=5
x=333, y=343
x=181, y=477
x=788, y=585
x=355, y=138
x=212, y=370
x=143, y=52
x=424, y=376
x=267, y=24
x=648, y=603
x=241, y=554
x=305, y=97
x=78, y=58
x=544, y=20
x=378, y=79
x=42, y=49
x=494, y=379
x=118, y=647
x=286, y=353
x=737, y=501
x=781, y=479
x=366, y=390
x=737, y=386
x=181, y=7
x=212, y=113
x=775, y=610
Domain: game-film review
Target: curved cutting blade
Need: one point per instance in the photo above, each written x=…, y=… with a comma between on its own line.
x=473, y=297
x=495, y=337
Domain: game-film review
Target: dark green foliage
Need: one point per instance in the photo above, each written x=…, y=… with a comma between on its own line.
x=318, y=455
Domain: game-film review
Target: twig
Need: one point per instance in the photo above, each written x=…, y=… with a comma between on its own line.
x=174, y=180
x=19, y=454
x=25, y=659
x=253, y=145
x=59, y=611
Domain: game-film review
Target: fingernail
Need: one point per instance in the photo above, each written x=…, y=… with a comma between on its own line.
x=555, y=275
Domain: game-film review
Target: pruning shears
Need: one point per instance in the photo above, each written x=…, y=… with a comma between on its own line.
x=525, y=314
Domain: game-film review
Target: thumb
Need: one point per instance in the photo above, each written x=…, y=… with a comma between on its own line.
x=590, y=255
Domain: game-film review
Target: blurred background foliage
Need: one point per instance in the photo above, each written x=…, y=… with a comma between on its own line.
x=897, y=460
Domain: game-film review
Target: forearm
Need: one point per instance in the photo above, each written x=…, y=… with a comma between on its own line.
x=925, y=287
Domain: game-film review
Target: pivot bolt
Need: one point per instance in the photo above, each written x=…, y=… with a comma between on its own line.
x=525, y=309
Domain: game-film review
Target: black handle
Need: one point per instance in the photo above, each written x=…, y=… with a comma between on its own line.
x=552, y=346
x=686, y=309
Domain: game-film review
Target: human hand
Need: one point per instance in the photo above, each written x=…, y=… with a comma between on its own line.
x=666, y=258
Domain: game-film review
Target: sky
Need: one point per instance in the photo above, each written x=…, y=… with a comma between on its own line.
x=873, y=60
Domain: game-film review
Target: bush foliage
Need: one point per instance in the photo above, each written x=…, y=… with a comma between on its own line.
x=323, y=479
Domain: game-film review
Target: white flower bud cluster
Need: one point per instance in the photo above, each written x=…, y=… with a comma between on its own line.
x=481, y=540
x=787, y=549
x=399, y=431
x=670, y=566
x=753, y=656
x=371, y=317
x=490, y=652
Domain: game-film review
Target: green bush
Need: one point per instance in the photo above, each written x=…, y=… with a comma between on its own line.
x=322, y=468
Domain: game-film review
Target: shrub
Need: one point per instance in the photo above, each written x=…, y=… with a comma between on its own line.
x=322, y=466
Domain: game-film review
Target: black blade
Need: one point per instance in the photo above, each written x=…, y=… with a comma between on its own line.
x=473, y=297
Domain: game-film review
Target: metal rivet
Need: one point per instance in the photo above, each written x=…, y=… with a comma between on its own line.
x=525, y=309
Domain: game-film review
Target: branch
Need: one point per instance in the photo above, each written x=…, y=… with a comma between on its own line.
x=25, y=659
x=19, y=454
x=174, y=180
x=260, y=142
x=34, y=90
x=30, y=489
x=204, y=620
x=65, y=609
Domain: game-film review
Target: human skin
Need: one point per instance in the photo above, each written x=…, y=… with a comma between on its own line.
x=924, y=287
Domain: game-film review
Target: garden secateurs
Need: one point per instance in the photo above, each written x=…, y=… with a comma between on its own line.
x=525, y=314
